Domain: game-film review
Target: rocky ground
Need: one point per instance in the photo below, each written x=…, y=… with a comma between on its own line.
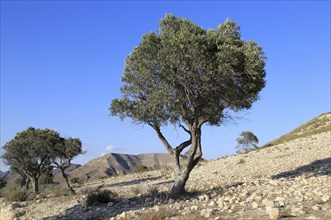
x=286, y=181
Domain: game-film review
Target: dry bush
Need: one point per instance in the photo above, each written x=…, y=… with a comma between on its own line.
x=14, y=194
x=97, y=196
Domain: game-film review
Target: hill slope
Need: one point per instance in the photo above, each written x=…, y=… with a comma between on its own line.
x=317, y=125
x=114, y=164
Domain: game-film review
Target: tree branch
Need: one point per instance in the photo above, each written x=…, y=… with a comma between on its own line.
x=185, y=129
x=163, y=139
x=183, y=145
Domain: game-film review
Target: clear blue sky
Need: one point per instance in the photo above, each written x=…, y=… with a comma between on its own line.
x=61, y=64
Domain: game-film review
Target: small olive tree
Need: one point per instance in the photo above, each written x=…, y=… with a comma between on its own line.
x=246, y=142
x=32, y=152
x=29, y=152
x=189, y=76
x=63, y=155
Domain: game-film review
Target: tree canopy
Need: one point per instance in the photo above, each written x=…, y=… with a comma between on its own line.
x=246, y=141
x=188, y=76
x=32, y=151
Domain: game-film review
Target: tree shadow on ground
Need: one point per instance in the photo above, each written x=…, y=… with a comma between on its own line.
x=317, y=168
x=134, y=182
x=102, y=212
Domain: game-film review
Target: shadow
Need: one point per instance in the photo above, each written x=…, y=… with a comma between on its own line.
x=317, y=168
x=134, y=182
x=102, y=212
x=164, y=183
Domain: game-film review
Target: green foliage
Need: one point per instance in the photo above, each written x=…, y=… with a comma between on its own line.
x=246, y=142
x=184, y=72
x=20, y=181
x=97, y=196
x=140, y=168
x=76, y=180
x=64, y=153
x=187, y=76
x=47, y=176
x=2, y=183
x=31, y=152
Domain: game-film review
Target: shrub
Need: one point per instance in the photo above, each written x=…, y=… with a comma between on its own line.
x=96, y=196
x=19, y=181
x=140, y=168
x=54, y=191
x=76, y=180
x=2, y=183
x=15, y=194
x=156, y=195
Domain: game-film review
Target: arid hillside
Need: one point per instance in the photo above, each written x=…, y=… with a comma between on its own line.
x=288, y=180
x=119, y=164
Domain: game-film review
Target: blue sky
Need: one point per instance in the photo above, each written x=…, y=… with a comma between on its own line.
x=61, y=63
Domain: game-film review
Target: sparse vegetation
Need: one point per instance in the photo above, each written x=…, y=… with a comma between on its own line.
x=2, y=183
x=315, y=126
x=97, y=196
x=140, y=168
x=156, y=195
x=76, y=180
x=54, y=191
x=246, y=142
x=14, y=194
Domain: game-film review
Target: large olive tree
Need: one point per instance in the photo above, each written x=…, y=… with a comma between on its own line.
x=188, y=76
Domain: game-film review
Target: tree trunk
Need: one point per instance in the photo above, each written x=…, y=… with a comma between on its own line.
x=35, y=185
x=179, y=183
x=182, y=173
x=27, y=183
x=67, y=181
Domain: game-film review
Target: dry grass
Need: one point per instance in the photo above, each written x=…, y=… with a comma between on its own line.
x=315, y=126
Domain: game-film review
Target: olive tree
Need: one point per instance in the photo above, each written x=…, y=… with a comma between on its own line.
x=33, y=152
x=29, y=152
x=188, y=76
x=63, y=155
x=246, y=142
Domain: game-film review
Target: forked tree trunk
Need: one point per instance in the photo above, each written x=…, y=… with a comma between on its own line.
x=179, y=183
x=67, y=181
x=35, y=185
x=182, y=172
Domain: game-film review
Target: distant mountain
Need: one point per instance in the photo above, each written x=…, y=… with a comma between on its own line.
x=317, y=125
x=114, y=164
x=5, y=175
x=58, y=175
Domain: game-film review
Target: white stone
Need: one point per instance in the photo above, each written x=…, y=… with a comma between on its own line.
x=212, y=203
x=194, y=207
x=255, y=205
x=316, y=208
x=273, y=213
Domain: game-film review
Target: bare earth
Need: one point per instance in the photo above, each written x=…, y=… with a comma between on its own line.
x=286, y=181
